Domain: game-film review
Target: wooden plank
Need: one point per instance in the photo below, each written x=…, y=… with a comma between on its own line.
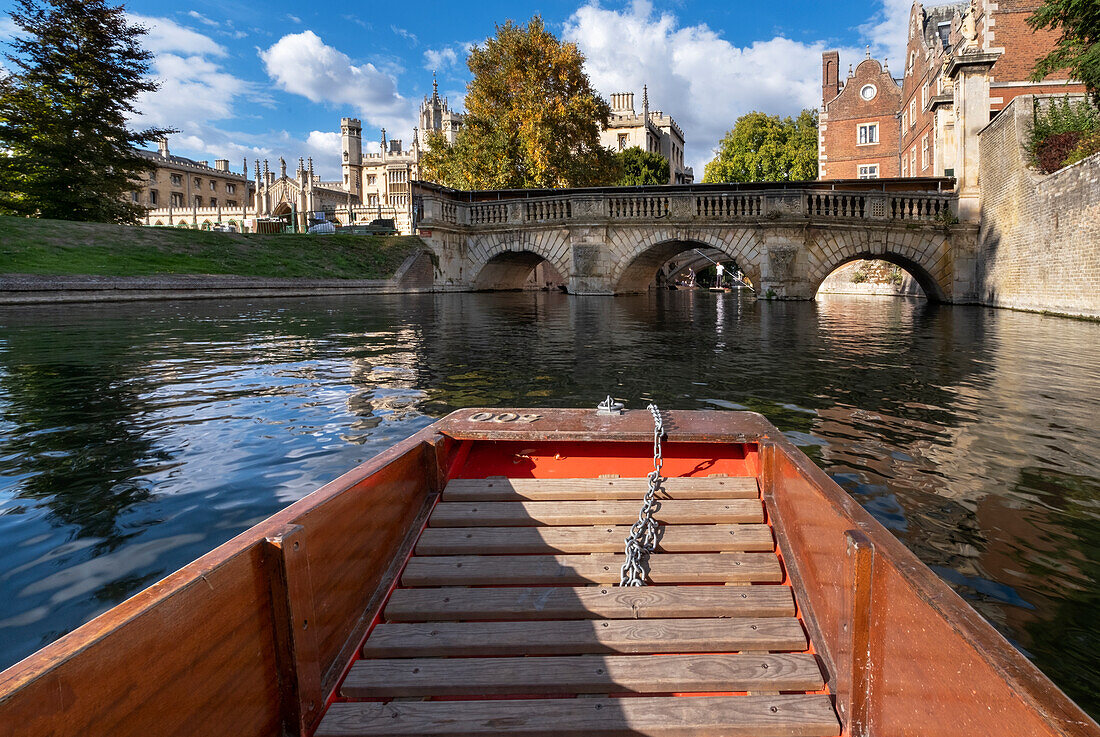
x=298, y=663
x=589, y=602
x=693, y=673
x=705, y=716
x=520, y=514
x=509, y=490
x=500, y=570
x=603, y=539
x=572, y=637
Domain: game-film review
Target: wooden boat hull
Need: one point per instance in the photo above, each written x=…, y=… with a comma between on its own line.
x=257, y=637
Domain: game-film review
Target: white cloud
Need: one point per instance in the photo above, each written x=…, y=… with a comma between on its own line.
x=8, y=29
x=440, y=59
x=302, y=64
x=202, y=18
x=405, y=34
x=694, y=74
x=294, y=19
x=168, y=36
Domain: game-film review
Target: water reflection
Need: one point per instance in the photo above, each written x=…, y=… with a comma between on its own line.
x=134, y=439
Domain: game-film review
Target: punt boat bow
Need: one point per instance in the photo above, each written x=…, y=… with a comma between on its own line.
x=465, y=582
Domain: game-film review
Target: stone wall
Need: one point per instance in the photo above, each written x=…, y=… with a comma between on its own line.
x=1039, y=242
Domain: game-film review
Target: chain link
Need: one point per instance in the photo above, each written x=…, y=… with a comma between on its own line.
x=642, y=540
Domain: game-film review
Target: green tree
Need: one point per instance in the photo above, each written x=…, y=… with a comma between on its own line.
x=68, y=153
x=532, y=118
x=637, y=167
x=1078, y=49
x=767, y=148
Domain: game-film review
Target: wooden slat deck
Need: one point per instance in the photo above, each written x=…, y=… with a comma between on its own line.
x=589, y=602
x=581, y=674
x=729, y=716
x=512, y=592
x=514, y=490
x=486, y=570
x=450, y=639
x=604, y=512
x=605, y=539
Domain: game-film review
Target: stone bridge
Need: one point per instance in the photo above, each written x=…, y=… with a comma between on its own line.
x=785, y=237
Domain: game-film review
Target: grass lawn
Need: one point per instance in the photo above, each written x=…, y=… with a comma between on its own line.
x=59, y=247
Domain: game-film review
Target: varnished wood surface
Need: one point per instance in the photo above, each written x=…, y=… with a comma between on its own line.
x=706, y=716
x=572, y=637
x=510, y=490
x=589, y=539
x=671, y=568
x=693, y=673
x=588, y=602
x=613, y=512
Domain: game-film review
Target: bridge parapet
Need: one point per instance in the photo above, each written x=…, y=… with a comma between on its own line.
x=441, y=210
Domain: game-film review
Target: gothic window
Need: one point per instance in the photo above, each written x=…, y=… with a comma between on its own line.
x=868, y=171
x=177, y=180
x=133, y=197
x=213, y=201
x=198, y=182
x=230, y=188
x=622, y=141
x=153, y=196
x=177, y=199
x=867, y=133
x=230, y=203
x=213, y=186
x=198, y=201
x=371, y=178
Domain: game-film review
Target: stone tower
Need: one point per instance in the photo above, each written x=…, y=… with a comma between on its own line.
x=436, y=116
x=351, y=140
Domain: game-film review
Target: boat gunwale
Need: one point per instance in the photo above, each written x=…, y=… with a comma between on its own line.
x=42, y=662
x=1025, y=678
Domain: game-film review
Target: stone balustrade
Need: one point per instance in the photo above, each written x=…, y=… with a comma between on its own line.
x=442, y=209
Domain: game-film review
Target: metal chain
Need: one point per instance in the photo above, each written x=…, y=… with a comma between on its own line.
x=642, y=540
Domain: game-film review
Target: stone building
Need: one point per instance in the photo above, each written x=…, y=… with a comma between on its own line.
x=650, y=130
x=180, y=184
x=963, y=63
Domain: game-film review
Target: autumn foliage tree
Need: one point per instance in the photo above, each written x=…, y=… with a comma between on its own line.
x=532, y=118
x=767, y=148
x=66, y=149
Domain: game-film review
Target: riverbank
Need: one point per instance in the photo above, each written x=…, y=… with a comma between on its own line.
x=56, y=248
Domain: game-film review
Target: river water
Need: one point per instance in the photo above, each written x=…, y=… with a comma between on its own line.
x=135, y=437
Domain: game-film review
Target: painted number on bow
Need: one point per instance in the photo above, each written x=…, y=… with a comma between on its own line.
x=502, y=417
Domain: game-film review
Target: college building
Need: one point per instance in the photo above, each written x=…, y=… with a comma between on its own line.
x=963, y=63
x=185, y=193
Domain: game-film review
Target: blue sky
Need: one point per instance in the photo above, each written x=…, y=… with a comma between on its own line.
x=263, y=80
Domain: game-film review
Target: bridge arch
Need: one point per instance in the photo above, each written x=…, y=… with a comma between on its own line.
x=505, y=261
x=920, y=254
x=639, y=253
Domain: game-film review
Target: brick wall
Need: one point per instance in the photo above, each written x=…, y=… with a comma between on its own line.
x=1040, y=235
x=841, y=152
